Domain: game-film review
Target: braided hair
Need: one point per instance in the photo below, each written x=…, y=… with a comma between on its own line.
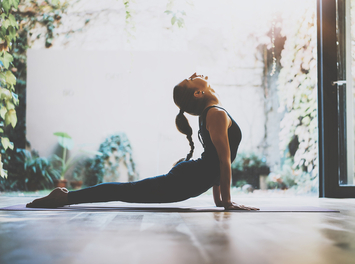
x=184, y=98
x=182, y=124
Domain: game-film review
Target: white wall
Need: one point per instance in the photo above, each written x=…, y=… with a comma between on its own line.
x=91, y=95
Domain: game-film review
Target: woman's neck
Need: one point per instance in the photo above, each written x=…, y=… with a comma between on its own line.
x=209, y=105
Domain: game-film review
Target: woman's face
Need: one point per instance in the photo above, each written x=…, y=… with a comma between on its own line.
x=198, y=82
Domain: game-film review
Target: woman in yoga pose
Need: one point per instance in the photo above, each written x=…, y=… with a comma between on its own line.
x=220, y=136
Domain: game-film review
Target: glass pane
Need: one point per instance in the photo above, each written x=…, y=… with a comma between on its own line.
x=345, y=91
x=350, y=40
x=341, y=90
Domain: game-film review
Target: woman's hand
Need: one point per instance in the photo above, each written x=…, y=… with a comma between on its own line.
x=235, y=206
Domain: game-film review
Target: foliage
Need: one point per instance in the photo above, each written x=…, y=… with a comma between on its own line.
x=8, y=99
x=130, y=24
x=283, y=178
x=246, y=160
x=240, y=183
x=177, y=16
x=120, y=148
x=32, y=15
x=298, y=97
x=246, y=168
x=32, y=172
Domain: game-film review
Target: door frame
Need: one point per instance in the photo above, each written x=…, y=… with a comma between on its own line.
x=328, y=151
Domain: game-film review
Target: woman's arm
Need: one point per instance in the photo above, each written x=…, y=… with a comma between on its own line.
x=217, y=196
x=217, y=123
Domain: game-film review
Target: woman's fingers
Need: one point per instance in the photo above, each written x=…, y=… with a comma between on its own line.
x=250, y=208
x=235, y=206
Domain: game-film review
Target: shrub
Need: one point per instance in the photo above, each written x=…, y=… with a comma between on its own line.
x=120, y=148
x=31, y=172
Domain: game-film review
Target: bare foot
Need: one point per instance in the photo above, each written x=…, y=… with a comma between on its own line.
x=57, y=198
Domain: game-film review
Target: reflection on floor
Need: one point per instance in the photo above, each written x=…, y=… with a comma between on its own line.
x=204, y=237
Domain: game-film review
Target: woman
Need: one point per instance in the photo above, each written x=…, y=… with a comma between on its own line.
x=220, y=136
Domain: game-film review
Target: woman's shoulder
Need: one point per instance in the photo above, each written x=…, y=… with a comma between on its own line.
x=217, y=115
x=216, y=111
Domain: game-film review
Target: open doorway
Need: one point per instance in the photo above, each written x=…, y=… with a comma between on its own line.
x=260, y=57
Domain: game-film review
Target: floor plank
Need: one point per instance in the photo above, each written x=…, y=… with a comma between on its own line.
x=204, y=237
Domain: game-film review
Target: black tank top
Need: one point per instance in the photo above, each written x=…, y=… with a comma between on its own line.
x=234, y=136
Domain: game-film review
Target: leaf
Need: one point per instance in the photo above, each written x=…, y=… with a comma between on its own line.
x=6, y=5
x=13, y=21
x=6, y=143
x=11, y=118
x=6, y=23
x=62, y=134
x=180, y=22
x=173, y=20
x=3, y=112
x=168, y=12
x=12, y=33
x=9, y=105
x=40, y=165
x=15, y=98
x=14, y=3
x=64, y=140
x=3, y=32
x=67, y=143
x=5, y=93
x=3, y=173
x=6, y=59
x=2, y=75
x=10, y=78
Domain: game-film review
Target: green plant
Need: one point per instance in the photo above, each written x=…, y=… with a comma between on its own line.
x=18, y=20
x=130, y=27
x=247, y=167
x=32, y=171
x=120, y=148
x=67, y=143
x=8, y=99
x=177, y=16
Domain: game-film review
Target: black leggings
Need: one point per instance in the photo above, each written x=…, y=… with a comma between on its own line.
x=187, y=179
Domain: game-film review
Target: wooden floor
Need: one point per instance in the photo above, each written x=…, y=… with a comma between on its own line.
x=169, y=238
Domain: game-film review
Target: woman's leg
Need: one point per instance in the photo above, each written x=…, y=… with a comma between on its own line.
x=160, y=189
x=185, y=180
x=150, y=190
